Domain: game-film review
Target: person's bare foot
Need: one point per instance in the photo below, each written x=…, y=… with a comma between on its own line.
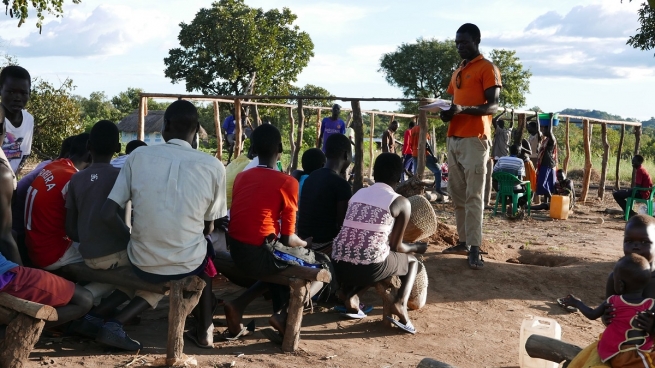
x=278, y=322
x=400, y=310
x=233, y=317
x=352, y=304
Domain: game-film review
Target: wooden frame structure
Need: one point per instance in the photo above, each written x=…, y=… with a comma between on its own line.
x=358, y=126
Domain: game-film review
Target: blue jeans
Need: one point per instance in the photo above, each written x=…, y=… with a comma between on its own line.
x=431, y=164
x=409, y=165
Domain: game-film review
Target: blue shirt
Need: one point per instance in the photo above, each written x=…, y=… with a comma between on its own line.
x=329, y=127
x=5, y=264
x=228, y=125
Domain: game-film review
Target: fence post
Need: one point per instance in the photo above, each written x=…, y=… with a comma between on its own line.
x=617, y=179
x=238, y=129
x=370, y=147
x=219, y=134
x=606, y=155
x=422, y=140
x=587, y=159
x=292, y=143
x=358, y=170
x=301, y=124
x=143, y=106
x=567, y=146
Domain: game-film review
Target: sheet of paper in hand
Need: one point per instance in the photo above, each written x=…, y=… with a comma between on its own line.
x=436, y=106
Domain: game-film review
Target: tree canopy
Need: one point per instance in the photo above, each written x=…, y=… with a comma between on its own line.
x=230, y=43
x=645, y=37
x=515, y=79
x=421, y=69
x=20, y=9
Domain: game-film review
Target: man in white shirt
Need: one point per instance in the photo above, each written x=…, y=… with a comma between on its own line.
x=15, y=85
x=177, y=192
x=119, y=161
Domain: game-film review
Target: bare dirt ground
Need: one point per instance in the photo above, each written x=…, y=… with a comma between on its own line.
x=471, y=319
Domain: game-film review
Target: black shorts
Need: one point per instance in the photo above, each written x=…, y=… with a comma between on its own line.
x=255, y=261
x=396, y=264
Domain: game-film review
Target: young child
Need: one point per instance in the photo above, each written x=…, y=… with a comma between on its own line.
x=312, y=160
x=564, y=187
x=621, y=344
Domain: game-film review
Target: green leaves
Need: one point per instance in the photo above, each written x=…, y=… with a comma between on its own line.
x=645, y=37
x=421, y=69
x=515, y=79
x=20, y=9
x=226, y=45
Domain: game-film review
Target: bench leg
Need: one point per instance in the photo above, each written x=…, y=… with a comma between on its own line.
x=22, y=333
x=299, y=295
x=180, y=307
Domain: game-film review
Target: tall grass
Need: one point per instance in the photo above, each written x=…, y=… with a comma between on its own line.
x=577, y=162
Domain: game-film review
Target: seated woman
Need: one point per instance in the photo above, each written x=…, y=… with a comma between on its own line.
x=369, y=247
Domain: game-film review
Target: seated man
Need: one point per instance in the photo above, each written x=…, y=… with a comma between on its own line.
x=264, y=205
x=324, y=201
x=100, y=247
x=565, y=187
x=18, y=205
x=177, y=193
x=369, y=247
x=119, y=161
x=45, y=210
x=512, y=165
x=642, y=180
x=71, y=301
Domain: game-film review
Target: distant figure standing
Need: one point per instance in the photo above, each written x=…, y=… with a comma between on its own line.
x=388, y=139
x=475, y=87
x=502, y=137
x=547, y=163
x=330, y=126
x=228, y=127
x=408, y=163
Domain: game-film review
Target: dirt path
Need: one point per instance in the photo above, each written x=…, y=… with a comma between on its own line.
x=472, y=318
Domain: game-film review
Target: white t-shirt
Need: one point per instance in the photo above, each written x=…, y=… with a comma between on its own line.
x=18, y=141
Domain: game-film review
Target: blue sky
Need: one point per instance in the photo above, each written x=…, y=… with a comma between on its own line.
x=575, y=49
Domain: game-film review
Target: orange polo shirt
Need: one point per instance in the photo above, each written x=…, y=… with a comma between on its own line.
x=413, y=139
x=476, y=76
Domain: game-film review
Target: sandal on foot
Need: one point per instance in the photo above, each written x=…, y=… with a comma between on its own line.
x=460, y=249
x=568, y=308
x=475, y=259
x=192, y=335
x=359, y=315
x=409, y=328
x=272, y=335
x=364, y=308
x=250, y=328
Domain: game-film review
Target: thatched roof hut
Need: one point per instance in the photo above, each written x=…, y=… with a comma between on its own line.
x=154, y=121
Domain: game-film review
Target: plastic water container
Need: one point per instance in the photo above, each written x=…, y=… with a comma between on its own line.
x=544, y=119
x=559, y=207
x=537, y=326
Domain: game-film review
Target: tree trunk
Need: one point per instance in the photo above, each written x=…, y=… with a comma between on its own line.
x=256, y=117
x=292, y=143
x=298, y=297
x=422, y=140
x=587, y=158
x=301, y=124
x=617, y=179
x=606, y=154
x=358, y=170
x=22, y=333
x=219, y=133
x=567, y=146
x=238, y=128
x=371, y=144
x=553, y=350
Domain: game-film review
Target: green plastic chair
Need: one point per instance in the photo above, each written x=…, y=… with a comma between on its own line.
x=506, y=184
x=634, y=199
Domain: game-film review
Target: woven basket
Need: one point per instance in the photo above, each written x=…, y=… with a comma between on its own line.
x=419, y=294
x=422, y=222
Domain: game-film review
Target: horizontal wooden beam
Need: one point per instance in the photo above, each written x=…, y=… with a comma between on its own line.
x=265, y=97
x=34, y=310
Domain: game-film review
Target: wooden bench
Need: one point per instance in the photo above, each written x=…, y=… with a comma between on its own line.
x=25, y=321
x=550, y=349
x=183, y=297
x=298, y=279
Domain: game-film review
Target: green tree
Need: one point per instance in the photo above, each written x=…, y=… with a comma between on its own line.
x=421, y=69
x=126, y=102
x=20, y=9
x=95, y=108
x=516, y=79
x=56, y=115
x=229, y=44
x=645, y=37
x=310, y=133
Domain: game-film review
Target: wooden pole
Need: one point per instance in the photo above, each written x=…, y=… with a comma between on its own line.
x=370, y=147
x=606, y=156
x=318, y=126
x=422, y=140
x=567, y=146
x=358, y=127
x=636, y=152
x=617, y=179
x=256, y=117
x=587, y=158
x=179, y=308
x=292, y=143
x=237, y=128
x=140, y=130
x=520, y=129
x=219, y=133
x=301, y=124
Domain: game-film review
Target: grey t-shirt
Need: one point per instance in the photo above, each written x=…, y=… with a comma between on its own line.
x=87, y=191
x=501, y=142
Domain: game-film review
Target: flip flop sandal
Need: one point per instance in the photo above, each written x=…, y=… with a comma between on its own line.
x=272, y=336
x=568, y=308
x=409, y=328
x=250, y=328
x=459, y=249
x=475, y=259
x=192, y=335
x=359, y=315
x=365, y=308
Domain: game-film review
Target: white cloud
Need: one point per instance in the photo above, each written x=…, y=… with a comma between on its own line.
x=106, y=30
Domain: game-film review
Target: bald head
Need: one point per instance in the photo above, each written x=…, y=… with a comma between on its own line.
x=180, y=121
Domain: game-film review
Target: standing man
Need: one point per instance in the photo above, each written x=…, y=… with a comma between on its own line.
x=388, y=139
x=475, y=87
x=408, y=166
x=330, y=126
x=228, y=128
x=15, y=85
